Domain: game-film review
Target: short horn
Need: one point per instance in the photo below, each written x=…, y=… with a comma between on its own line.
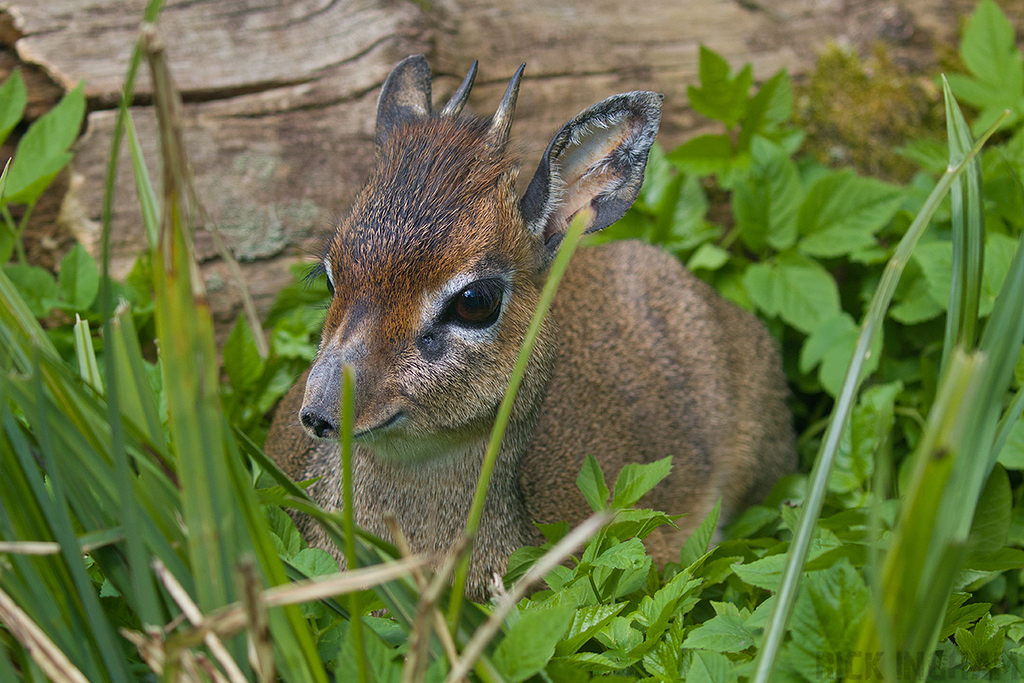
x=501, y=124
x=458, y=100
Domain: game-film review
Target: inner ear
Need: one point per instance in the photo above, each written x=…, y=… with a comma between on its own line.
x=596, y=160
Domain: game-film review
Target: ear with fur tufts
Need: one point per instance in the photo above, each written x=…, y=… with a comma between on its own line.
x=597, y=160
x=404, y=97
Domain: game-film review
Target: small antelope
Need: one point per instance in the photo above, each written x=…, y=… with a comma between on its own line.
x=435, y=275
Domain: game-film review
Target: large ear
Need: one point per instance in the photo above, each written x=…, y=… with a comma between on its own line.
x=404, y=97
x=597, y=160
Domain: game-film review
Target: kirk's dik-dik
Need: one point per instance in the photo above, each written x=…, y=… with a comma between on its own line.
x=435, y=275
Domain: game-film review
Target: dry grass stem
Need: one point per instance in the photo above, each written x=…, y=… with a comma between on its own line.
x=507, y=603
x=195, y=617
x=48, y=656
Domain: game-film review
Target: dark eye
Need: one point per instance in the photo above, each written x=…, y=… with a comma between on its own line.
x=477, y=305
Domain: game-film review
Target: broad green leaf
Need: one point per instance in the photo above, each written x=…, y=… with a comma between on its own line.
x=769, y=108
x=586, y=621
x=12, y=103
x=767, y=199
x=936, y=262
x=43, y=151
x=832, y=345
x=711, y=667
x=383, y=662
x=708, y=257
x=828, y=615
x=720, y=96
x=697, y=544
x=531, y=641
x=242, y=361
x=629, y=554
x=1012, y=455
x=78, y=281
x=725, y=632
x=591, y=484
x=991, y=524
x=636, y=479
x=704, y=155
x=989, y=51
x=960, y=614
x=36, y=286
x=672, y=601
x=915, y=302
x=983, y=645
x=315, y=562
x=843, y=211
x=794, y=287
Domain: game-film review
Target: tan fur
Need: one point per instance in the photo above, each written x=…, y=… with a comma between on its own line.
x=637, y=360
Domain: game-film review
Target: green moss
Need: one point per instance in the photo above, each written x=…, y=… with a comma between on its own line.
x=858, y=113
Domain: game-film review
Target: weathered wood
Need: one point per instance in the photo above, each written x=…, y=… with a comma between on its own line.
x=280, y=97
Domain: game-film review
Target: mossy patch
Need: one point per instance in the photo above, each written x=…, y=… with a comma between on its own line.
x=859, y=112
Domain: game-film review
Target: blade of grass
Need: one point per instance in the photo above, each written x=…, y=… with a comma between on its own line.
x=149, y=609
x=968, y=220
x=561, y=262
x=347, y=419
x=920, y=564
x=800, y=545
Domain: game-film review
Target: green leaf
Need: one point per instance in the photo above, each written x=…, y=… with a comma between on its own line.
x=704, y=155
x=768, y=109
x=531, y=642
x=991, y=525
x=36, y=286
x=586, y=621
x=989, y=51
x=832, y=345
x=697, y=544
x=766, y=201
x=636, y=479
x=12, y=103
x=960, y=615
x=936, y=262
x=383, y=662
x=983, y=646
x=1012, y=455
x=708, y=257
x=843, y=211
x=629, y=554
x=591, y=484
x=43, y=151
x=78, y=280
x=867, y=431
x=916, y=303
x=828, y=616
x=726, y=632
x=242, y=361
x=672, y=601
x=720, y=96
x=794, y=287
x=314, y=562
x=711, y=667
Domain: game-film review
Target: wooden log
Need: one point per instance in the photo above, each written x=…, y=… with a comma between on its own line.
x=280, y=97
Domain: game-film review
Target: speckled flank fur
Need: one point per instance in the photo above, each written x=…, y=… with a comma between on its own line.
x=637, y=360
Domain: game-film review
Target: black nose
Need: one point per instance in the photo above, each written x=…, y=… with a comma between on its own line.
x=319, y=425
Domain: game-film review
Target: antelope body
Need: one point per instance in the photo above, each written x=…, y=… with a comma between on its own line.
x=435, y=275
